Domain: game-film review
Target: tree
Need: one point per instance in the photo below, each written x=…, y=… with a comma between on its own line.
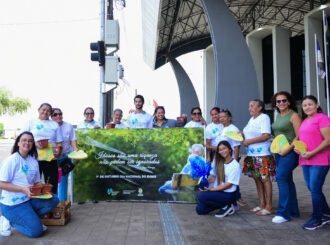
x=12, y=105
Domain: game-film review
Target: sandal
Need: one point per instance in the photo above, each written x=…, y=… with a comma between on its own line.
x=256, y=209
x=241, y=202
x=263, y=212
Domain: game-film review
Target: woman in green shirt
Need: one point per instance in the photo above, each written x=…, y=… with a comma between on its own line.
x=287, y=122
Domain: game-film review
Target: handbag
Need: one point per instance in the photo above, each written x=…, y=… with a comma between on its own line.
x=66, y=165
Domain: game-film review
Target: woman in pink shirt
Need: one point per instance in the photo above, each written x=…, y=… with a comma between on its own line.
x=315, y=133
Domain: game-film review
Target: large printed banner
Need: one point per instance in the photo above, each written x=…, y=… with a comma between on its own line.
x=135, y=164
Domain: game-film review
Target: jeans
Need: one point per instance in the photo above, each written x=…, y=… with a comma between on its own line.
x=25, y=217
x=212, y=200
x=314, y=178
x=287, y=201
x=63, y=188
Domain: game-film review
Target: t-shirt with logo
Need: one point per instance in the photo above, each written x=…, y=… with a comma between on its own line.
x=92, y=124
x=223, y=136
x=140, y=120
x=193, y=124
x=44, y=129
x=21, y=172
x=213, y=131
x=255, y=128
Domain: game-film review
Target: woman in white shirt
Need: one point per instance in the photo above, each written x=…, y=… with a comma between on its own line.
x=259, y=162
x=225, y=174
x=212, y=131
x=117, y=115
x=197, y=119
x=18, y=173
x=43, y=128
x=89, y=121
x=69, y=144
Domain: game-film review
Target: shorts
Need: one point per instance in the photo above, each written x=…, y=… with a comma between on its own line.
x=261, y=166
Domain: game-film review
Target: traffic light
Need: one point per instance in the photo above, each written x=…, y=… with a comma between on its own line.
x=100, y=54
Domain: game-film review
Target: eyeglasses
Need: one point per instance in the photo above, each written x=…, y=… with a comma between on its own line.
x=89, y=113
x=27, y=141
x=57, y=114
x=283, y=101
x=196, y=113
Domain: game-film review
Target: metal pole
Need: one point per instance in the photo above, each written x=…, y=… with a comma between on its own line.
x=317, y=75
x=326, y=63
x=102, y=36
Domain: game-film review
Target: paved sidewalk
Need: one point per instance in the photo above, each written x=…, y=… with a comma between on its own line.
x=162, y=223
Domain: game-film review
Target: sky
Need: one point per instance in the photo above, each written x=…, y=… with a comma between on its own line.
x=45, y=57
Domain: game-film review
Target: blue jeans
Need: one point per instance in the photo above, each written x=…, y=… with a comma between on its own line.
x=287, y=200
x=212, y=200
x=25, y=217
x=314, y=178
x=63, y=188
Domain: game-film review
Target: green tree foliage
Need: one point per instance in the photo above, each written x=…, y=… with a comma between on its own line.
x=12, y=105
x=1, y=129
x=172, y=149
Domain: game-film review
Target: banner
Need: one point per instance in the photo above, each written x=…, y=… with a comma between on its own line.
x=136, y=164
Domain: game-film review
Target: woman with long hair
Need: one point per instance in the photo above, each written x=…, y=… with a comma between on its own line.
x=287, y=123
x=315, y=133
x=225, y=175
x=18, y=173
x=160, y=121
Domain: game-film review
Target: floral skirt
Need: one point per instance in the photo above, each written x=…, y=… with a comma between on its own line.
x=260, y=166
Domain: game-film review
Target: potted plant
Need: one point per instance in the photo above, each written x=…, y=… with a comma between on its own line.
x=35, y=190
x=47, y=188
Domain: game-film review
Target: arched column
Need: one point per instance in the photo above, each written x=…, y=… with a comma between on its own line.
x=188, y=96
x=235, y=76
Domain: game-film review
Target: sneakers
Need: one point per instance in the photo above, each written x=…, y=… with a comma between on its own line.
x=279, y=219
x=313, y=224
x=228, y=210
x=325, y=220
x=4, y=226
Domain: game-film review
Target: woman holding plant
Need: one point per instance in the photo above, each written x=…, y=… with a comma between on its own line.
x=287, y=123
x=18, y=173
x=43, y=129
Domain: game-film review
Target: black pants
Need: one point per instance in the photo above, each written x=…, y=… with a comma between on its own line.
x=50, y=172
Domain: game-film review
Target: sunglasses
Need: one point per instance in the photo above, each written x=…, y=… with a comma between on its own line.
x=89, y=113
x=196, y=113
x=283, y=101
x=57, y=114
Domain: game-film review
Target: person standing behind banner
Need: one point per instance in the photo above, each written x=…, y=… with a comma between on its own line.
x=139, y=118
x=117, y=116
x=226, y=119
x=69, y=140
x=315, y=133
x=89, y=121
x=160, y=121
x=18, y=173
x=197, y=119
x=259, y=162
x=43, y=128
x=212, y=131
x=287, y=123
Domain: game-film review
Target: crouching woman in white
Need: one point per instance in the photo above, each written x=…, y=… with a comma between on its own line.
x=226, y=173
x=18, y=173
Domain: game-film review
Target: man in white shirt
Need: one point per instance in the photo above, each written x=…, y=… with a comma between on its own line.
x=139, y=118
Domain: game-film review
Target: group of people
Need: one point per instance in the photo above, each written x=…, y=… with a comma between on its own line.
x=260, y=164
x=23, y=169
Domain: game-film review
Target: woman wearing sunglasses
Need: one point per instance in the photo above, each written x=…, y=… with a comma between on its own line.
x=287, y=123
x=197, y=119
x=69, y=143
x=89, y=121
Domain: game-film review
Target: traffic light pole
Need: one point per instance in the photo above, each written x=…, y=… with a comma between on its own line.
x=102, y=37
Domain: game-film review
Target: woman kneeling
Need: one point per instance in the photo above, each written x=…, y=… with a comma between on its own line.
x=18, y=173
x=225, y=173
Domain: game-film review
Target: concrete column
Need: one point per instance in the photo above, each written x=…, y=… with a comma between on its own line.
x=313, y=23
x=281, y=59
x=209, y=82
x=235, y=77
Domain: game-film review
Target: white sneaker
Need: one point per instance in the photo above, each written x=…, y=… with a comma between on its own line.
x=44, y=228
x=279, y=220
x=4, y=226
